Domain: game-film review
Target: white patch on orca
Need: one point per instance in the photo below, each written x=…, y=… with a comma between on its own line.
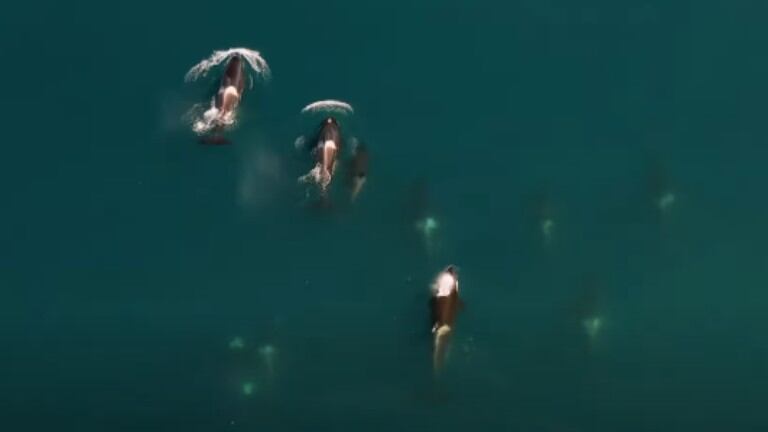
x=329, y=144
x=318, y=175
x=443, y=285
x=254, y=59
x=329, y=105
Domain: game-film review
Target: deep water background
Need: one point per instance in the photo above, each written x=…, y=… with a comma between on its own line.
x=132, y=255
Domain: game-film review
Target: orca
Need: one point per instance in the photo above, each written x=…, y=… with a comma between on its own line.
x=445, y=305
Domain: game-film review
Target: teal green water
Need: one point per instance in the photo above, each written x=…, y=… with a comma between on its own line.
x=133, y=256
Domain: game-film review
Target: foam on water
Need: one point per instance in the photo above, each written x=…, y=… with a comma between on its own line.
x=317, y=176
x=254, y=59
x=204, y=119
x=329, y=105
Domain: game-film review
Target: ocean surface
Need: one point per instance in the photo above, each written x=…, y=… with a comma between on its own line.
x=597, y=170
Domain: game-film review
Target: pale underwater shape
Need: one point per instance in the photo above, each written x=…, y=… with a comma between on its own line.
x=267, y=350
x=427, y=226
x=592, y=326
x=666, y=200
x=261, y=177
x=237, y=343
x=547, y=229
x=249, y=387
x=268, y=353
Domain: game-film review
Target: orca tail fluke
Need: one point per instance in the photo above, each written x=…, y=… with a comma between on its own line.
x=441, y=337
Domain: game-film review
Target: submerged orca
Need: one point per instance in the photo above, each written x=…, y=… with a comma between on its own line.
x=359, y=169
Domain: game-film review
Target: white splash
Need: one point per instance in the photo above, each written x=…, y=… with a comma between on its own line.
x=329, y=105
x=318, y=176
x=258, y=64
x=205, y=119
